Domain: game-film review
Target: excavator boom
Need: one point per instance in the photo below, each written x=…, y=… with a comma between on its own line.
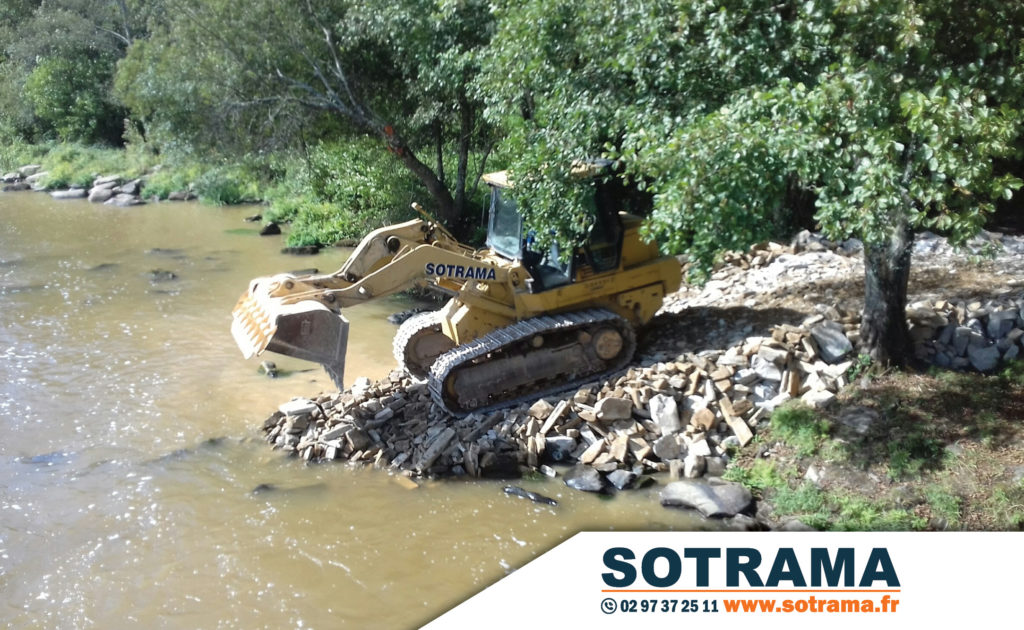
x=300, y=316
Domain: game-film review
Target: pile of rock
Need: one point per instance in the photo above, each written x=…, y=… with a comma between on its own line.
x=113, y=191
x=681, y=416
x=965, y=334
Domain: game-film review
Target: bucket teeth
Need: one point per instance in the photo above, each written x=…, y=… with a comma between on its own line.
x=251, y=327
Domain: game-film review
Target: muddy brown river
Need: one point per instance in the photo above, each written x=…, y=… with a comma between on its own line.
x=130, y=447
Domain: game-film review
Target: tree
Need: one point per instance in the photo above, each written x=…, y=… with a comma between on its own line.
x=892, y=112
x=61, y=55
x=399, y=71
x=68, y=94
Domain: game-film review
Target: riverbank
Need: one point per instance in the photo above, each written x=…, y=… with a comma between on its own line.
x=332, y=193
x=727, y=376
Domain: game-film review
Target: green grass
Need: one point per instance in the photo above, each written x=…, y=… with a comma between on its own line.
x=1007, y=506
x=760, y=475
x=800, y=426
x=858, y=514
x=944, y=504
x=821, y=509
x=912, y=453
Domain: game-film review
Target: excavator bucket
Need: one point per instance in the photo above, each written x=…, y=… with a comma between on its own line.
x=304, y=330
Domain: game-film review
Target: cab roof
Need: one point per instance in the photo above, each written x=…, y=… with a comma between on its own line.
x=580, y=168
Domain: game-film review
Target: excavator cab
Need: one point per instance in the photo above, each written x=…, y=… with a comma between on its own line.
x=600, y=253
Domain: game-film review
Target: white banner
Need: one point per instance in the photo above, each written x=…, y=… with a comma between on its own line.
x=775, y=580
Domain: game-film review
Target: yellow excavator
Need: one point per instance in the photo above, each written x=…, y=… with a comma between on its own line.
x=520, y=323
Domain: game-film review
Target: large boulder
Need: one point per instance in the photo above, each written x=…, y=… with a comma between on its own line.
x=100, y=194
x=128, y=188
x=107, y=181
x=713, y=500
x=984, y=359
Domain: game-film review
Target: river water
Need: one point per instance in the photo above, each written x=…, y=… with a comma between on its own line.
x=129, y=447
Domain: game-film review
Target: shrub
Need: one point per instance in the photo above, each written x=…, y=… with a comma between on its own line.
x=228, y=185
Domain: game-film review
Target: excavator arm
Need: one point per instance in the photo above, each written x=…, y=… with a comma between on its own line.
x=301, y=316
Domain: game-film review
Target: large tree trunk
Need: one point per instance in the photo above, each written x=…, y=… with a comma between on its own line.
x=465, y=131
x=883, y=328
x=447, y=212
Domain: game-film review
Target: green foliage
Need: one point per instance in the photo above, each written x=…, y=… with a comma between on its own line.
x=71, y=164
x=226, y=185
x=912, y=453
x=358, y=176
x=1013, y=374
x=799, y=426
x=890, y=112
x=322, y=223
x=342, y=191
x=15, y=153
x=760, y=475
x=805, y=499
x=69, y=95
x=861, y=365
x=857, y=514
x=274, y=76
x=826, y=510
x=944, y=505
x=172, y=178
x=1007, y=506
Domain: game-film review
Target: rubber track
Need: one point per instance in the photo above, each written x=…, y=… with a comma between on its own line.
x=519, y=331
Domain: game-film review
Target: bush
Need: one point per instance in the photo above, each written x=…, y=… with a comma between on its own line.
x=321, y=223
x=172, y=179
x=15, y=153
x=344, y=190
x=228, y=185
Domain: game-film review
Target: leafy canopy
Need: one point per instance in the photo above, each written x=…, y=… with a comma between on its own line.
x=892, y=112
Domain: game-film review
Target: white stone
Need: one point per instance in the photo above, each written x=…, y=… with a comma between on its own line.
x=694, y=466
x=298, y=407
x=818, y=399
x=610, y=409
x=665, y=413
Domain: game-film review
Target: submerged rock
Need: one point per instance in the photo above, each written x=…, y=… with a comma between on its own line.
x=585, y=478
x=516, y=491
x=162, y=275
x=303, y=250
x=715, y=500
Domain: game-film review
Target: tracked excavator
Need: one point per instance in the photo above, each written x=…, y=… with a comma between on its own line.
x=520, y=323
